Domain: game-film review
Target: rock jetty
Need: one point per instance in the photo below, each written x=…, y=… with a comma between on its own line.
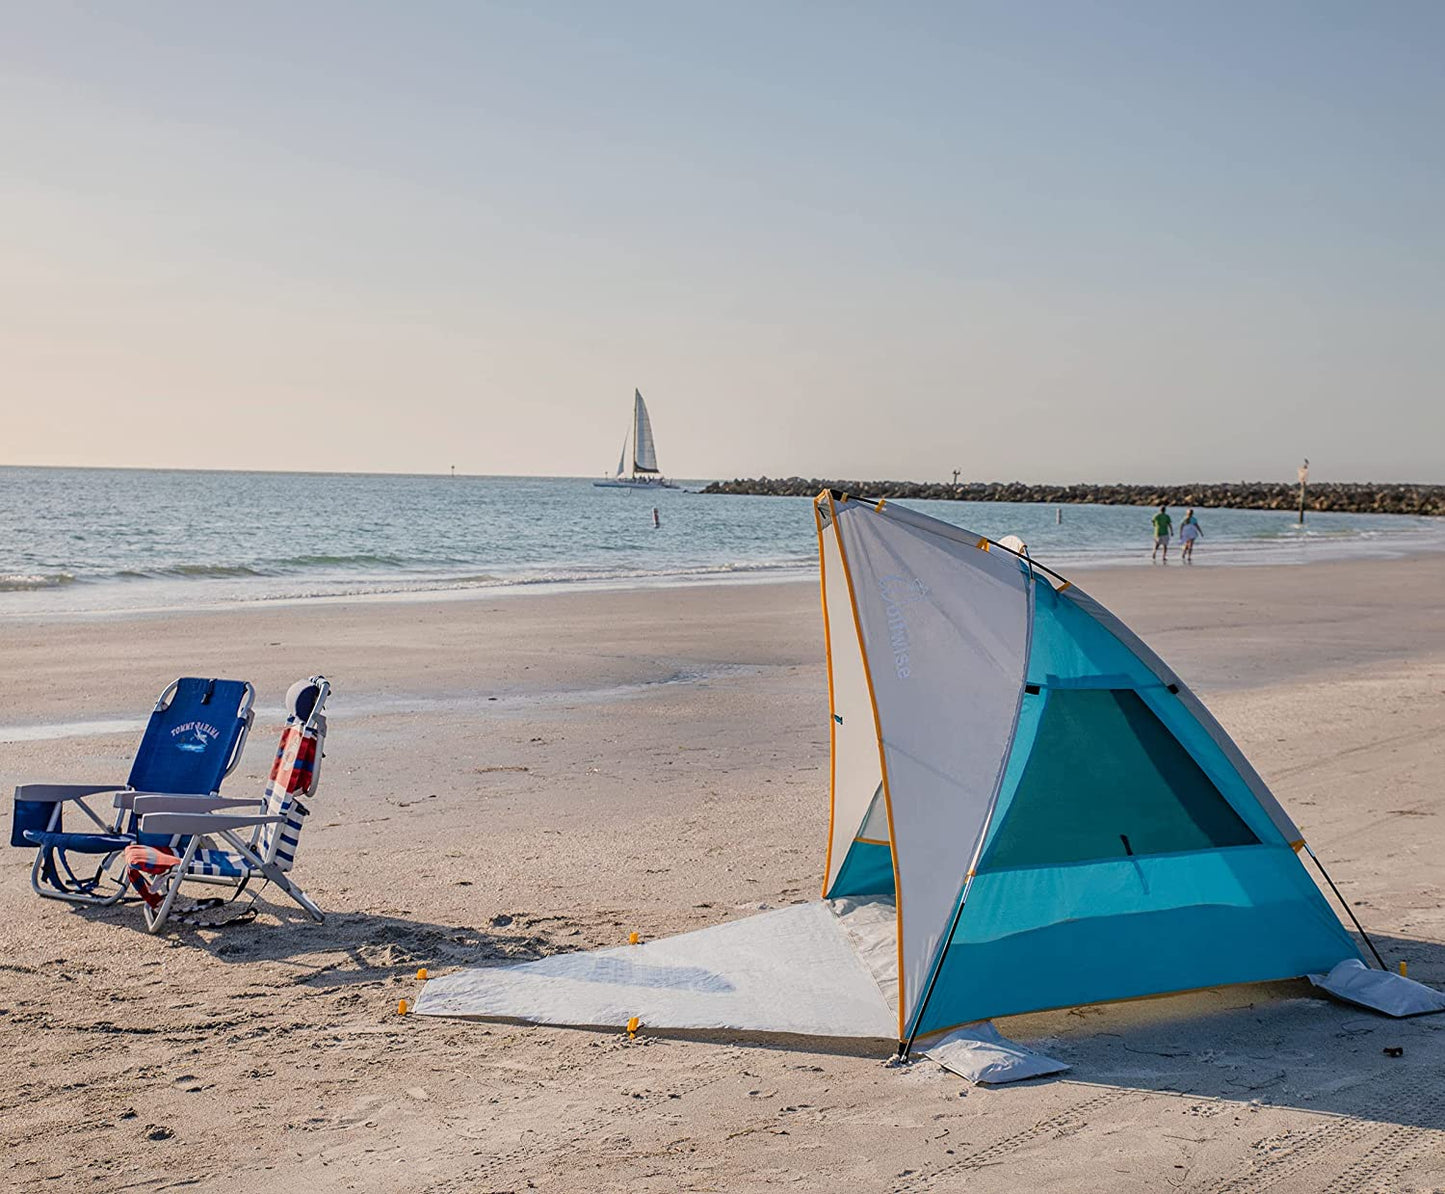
x=1343, y=497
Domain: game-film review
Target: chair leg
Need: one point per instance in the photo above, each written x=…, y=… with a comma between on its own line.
x=55, y=888
x=278, y=877
x=156, y=917
x=35, y=872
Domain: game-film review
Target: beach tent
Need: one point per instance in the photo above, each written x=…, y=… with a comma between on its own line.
x=1056, y=817
x=1029, y=810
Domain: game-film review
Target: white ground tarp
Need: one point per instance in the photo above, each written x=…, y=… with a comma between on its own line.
x=795, y=970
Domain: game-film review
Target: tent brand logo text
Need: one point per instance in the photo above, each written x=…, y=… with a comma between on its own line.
x=898, y=593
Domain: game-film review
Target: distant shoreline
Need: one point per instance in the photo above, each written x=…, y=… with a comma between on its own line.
x=1352, y=497
x=99, y=543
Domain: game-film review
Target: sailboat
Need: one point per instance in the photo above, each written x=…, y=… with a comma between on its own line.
x=643, y=473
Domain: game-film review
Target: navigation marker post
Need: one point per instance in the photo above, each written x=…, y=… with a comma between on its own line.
x=1304, y=473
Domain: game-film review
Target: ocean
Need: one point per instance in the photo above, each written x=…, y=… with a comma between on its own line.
x=94, y=541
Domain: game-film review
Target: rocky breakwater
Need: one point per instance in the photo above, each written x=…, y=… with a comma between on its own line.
x=1344, y=497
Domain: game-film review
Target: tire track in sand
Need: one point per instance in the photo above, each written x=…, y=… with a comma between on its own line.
x=1388, y=1147
x=534, y=1148
x=1386, y=1160
x=1067, y=1121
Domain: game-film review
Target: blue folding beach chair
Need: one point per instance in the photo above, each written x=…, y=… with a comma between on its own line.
x=192, y=742
x=235, y=843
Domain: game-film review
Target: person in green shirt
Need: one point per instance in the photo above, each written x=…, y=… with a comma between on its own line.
x=1163, y=525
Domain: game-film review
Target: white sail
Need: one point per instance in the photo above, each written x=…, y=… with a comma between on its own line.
x=637, y=467
x=644, y=451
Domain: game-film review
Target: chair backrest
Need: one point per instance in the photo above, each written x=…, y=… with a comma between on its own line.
x=295, y=772
x=194, y=737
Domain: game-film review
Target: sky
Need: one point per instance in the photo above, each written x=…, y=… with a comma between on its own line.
x=1067, y=241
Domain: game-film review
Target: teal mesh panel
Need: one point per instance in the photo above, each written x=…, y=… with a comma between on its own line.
x=1103, y=770
x=1069, y=649
x=868, y=870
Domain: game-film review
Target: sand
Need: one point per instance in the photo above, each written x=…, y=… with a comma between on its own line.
x=508, y=777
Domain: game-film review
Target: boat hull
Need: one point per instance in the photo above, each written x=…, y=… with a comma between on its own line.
x=625, y=483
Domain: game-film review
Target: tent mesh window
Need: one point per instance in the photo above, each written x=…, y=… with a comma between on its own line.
x=1106, y=779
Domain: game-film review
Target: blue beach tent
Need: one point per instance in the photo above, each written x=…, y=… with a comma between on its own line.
x=1057, y=819
x=1028, y=810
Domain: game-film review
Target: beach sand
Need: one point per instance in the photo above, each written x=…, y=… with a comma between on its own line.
x=512, y=776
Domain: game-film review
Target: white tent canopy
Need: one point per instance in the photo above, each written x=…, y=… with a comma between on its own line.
x=908, y=638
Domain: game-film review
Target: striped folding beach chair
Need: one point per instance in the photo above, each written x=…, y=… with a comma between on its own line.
x=192, y=741
x=240, y=844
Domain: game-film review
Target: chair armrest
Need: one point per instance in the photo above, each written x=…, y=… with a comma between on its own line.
x=161, y=802
x=55, y=793
x=188, y=823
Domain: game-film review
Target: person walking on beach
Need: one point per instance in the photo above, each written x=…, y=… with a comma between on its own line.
x=1188, y=532
x=1163, y=524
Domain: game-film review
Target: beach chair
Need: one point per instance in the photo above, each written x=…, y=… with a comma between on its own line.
x=192, y=741
x=234, y=843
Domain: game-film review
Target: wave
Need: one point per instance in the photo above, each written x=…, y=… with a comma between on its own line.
x=23, y=582
x=568, y=576
x=191, y=572
x=284, y=566
x=435, y=574
x=249, y=583
x=1293, y=533
x=442, y=583
x=361, y=560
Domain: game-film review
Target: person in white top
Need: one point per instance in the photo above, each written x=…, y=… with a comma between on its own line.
x=1188, y=532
